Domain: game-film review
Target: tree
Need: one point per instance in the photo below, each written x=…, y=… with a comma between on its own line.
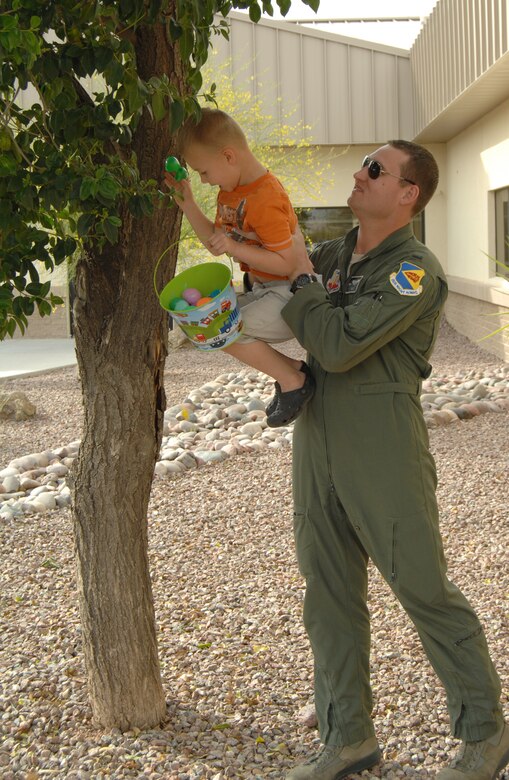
x=80, y=165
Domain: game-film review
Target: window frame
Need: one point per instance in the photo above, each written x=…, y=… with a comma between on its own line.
x=501, y=231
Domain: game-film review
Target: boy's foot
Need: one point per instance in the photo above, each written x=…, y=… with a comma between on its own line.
x=272, y=405
x=333, y=763
x=291, y=403
x=481, y=760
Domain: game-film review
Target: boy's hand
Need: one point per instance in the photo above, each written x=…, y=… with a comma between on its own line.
x=183, y=192
x=220, y=244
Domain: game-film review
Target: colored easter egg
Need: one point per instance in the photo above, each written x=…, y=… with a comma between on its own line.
x=191, y=295
x=173, y=166
x=202, y=301
x=214, y=293
x=179, y=304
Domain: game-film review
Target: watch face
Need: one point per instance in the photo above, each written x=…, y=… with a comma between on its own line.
x=301, y=281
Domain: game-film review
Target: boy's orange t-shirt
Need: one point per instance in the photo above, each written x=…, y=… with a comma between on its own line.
x=259, y=213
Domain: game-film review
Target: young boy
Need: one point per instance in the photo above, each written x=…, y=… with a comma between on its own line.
x=255, y=224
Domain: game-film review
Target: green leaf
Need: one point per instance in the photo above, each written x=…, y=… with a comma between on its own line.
x=195, y=80
x=34, y=275
x=11, y=327
x=255, y=12
x=17, y=305
x=44, y=308
x=114, y=74
x=19, y=284
x=108, y=188
x=103, y=57
x=186, y=43
x=5, y=293
x=63, y=248
x=87, y=188
x=158, y=106
x=177, y=114
x=110, y=230
x=28, y=306
x=85, y=222
x=141, y=206
x=33, y=288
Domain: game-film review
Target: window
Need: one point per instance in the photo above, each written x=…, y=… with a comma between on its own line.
x=502, y=231
x=322, y=224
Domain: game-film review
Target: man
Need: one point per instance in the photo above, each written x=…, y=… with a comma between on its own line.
x=364, y=479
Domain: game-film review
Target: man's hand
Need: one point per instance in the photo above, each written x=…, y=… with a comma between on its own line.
x=302, y=264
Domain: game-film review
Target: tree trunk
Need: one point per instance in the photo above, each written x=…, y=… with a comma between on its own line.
x=121, y=344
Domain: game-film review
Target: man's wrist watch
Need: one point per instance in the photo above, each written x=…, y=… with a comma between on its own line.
x=301, y=281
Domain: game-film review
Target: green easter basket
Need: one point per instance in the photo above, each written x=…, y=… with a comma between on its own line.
x=212, y=325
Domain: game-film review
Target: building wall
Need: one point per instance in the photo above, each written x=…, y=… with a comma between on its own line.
x=339, y=89
x=435, y=213
x=478, y=320
x=460, y=66
x=477, y=164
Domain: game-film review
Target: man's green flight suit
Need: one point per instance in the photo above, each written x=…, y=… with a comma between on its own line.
x=365, y=480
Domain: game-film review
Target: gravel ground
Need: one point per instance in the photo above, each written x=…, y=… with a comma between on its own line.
x=235, y=660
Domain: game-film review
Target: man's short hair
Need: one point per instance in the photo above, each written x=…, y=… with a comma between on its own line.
x=421, y=167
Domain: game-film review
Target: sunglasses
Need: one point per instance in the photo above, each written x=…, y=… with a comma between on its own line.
x=376, y=169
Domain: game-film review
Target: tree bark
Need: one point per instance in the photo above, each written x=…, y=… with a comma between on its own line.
x=121, y=344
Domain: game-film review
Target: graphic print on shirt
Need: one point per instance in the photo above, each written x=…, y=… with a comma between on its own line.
x=232, y=222
x=334, y=283
x=407, y=280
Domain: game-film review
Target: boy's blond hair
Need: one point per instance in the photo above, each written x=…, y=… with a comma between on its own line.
x=215, y=130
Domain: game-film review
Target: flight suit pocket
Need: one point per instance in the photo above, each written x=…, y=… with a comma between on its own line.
x=305, y=546
x=363, y=314
x=415, y=566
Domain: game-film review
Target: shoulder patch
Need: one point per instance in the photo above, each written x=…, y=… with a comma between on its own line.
x=407, y=280
x=334, y=283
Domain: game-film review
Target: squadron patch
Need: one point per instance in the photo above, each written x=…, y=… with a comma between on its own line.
x=353, y=283
x=334, y=283
x=407, y=281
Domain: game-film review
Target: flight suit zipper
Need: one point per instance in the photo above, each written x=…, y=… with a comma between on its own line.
x=340, y=299
x=340, y=302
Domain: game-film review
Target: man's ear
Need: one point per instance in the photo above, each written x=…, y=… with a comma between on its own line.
x=410, y=195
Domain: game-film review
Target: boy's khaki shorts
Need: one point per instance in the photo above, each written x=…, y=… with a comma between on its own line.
x=261, y=313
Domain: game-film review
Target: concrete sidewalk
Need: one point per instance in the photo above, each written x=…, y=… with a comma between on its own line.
x=22, y=357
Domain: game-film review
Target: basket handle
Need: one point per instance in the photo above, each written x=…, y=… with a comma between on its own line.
x=186, y=238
